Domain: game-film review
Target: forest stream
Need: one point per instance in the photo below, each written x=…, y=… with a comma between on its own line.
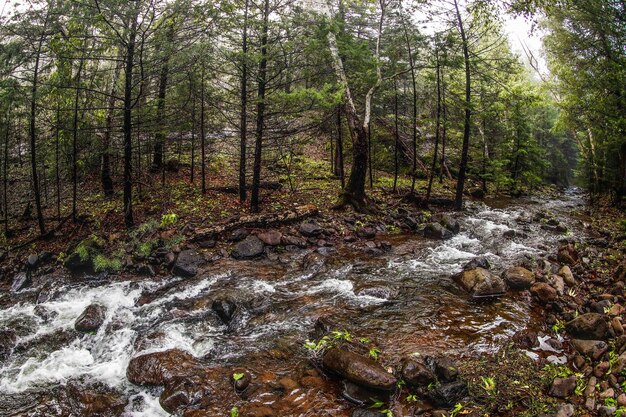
x=404, y=301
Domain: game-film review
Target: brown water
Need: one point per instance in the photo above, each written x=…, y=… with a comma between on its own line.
x=404, y=301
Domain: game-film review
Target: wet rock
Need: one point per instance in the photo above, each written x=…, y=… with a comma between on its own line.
x=526, y=339
x=271, y=237
x=478, y=262
x=358, y=369
x=481, y=283
x=563, y=387
x=238, y=235
x=591, y=348
x=416, y=373
x=558, y=283
x=185, y=392
x=44, y=313
x=568, y=255
x=187, y=263
x=411, y=222
x=20, y=281
x=91, y=319
x=566, y=410
x=225, y=309
x=543, y=292
x=444, y=368
x=250, y=247
x=447, y=395
x=617, y=326
x=567, y=275
x=601, y=369
x=589, y=326
x=436, y=231
x=448, y=222
x=510, y=234
x=32, y=261
x=376, y=292
x=606, y=411
x=241, y=379
x=359, y=395
x=159, y=368
x=519, y=278
x=310, y=229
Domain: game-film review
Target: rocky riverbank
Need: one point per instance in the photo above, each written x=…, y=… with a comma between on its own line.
x=368, y=343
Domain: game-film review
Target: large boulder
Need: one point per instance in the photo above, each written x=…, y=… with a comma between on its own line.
x=437, y=231
x=91, y=319
x=481, y=283
x=448, y=222
x=271, y=237
x=591, y=348
x=519, y=278
x=590, y=326
x=563, y=387
x=250, y=247
x=20, y=281
x=185, y=392
x=358, y=369
x=568, y=255
x=543, y=292
x=160, y=368
x=415, y=372
x=187, y=263
x=447, y=395
x=224, y=308
x=310, y=229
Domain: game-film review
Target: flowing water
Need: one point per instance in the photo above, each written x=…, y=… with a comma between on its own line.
x=405, y=301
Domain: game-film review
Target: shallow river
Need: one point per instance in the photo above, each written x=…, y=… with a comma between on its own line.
x=404, y=300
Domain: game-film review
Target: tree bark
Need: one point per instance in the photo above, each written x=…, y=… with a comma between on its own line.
x=458, y=200
x=437, y=126
x=243, y=125
x=396, y=137
x=75, y=142
x=258, y=145
x=159, y=140
x=105, y=174
x=339, y=166
x=6, y=180
x=202, y=135
x=32, y=129
x=128, y=138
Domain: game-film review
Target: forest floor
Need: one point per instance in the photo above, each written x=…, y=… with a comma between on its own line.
x=179, y=218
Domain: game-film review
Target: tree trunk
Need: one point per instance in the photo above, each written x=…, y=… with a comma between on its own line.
x=243, y=125
x=159, y=139
x=128, y=138
x=105, y=174
x=75, y=142
x=6, y=180
x=258, y=142
x=414, y=115
x=396, y=137
x=56, y=161
x=202, y=135
x=437, y=128
x=458, y=200
x=370, y=165
x=193, y=138
x=32, y=131
x=339, y=167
